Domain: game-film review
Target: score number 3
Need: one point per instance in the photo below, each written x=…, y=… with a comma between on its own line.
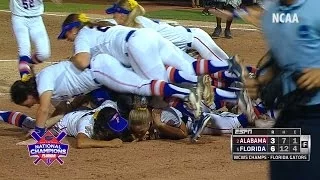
x=28, y=4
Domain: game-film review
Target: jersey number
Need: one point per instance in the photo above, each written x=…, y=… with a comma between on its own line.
x=101, y=28
x=28, y=4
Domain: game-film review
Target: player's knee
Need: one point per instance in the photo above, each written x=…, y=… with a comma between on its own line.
x=43, y=55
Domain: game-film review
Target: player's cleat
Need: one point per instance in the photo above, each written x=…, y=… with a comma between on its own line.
x=246, y=106
x=236, y=66
x=227, y=33
x=198, y=126
x=217, y=31
x=205, y=86
x=194, y=101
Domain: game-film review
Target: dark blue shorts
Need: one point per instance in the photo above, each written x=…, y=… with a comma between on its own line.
x=308, y=119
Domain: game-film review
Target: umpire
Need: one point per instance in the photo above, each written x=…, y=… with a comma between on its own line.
x=295, y=46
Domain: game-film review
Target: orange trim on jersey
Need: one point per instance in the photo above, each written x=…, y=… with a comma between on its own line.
x=10, y=118
x=256, y=111
x=206, y=66
x=162, y=88
x=171, y=74
x=152, y=86
x=220, y=75
x=16, y=122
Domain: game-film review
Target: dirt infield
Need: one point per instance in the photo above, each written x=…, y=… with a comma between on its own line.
x=175, y=160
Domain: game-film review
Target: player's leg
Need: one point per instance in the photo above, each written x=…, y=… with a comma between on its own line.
x=21, y=32
x=112, y=74
x=40, y=38
x=221, y=95
x=173, y=56
x=177, y=76
x=17, y=119
x=206, y=47
x=223, y=123
x=144, y=55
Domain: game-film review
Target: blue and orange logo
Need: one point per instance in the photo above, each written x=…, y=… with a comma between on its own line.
x=48, y=148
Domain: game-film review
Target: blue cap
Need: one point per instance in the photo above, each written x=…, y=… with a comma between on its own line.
x=116, y=9
x=68, y=27
x=117, y=123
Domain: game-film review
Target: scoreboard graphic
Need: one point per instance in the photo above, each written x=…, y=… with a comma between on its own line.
x=275, y=144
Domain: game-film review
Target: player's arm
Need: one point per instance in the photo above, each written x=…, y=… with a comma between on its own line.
x=81, y=60
x=81, y=57
x=66, y=107
x=173, y=132
x=167, y=130
x=83, y=141
x=53, y=120
x=43, y=112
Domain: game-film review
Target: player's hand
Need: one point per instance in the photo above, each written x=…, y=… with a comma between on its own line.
x=309, y=79
x=156, y=116
x=27, y=142
x=253, y=87
x=57, y=1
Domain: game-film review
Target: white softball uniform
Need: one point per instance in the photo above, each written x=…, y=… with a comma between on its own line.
x=111, y=73
x=145, y=50
x=171, y=117
x=80, y=121
x=28, y=26
x=222, y=123
x=65, y=81
x=186, y=38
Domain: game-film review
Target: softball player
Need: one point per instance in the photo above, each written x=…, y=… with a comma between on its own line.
x=130, y=13
x=99, y=127
x=66, y=81
x=133, y=48
x=28, y=25
x=173, y=124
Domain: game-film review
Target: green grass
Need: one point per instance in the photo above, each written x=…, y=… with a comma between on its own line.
x=71, y=7
x=161, y=14
x=4, y=5
x=183, y=15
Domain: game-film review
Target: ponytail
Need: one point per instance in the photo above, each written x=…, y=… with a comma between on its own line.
x=131, y=21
